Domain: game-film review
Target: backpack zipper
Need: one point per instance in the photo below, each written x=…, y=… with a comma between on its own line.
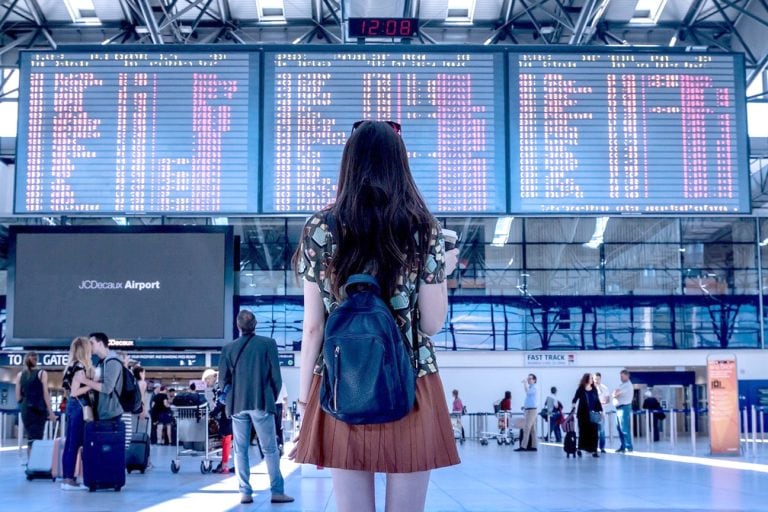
x=336, y=354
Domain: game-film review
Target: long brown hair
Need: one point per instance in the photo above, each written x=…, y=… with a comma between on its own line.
x=584, y=382
x=380, y=221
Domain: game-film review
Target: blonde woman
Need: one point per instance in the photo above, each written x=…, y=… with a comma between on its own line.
x=78, y=400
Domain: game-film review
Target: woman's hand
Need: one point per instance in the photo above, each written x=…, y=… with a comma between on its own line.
x=295, y=449
x=451, y=260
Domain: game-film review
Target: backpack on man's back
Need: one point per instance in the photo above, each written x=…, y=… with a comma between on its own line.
x=129, y=393
x=368, y=375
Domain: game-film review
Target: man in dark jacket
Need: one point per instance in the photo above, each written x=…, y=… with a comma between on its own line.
x=652, y=404
x=249, y=371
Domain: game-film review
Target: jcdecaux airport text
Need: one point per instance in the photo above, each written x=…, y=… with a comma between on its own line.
x=92, y=284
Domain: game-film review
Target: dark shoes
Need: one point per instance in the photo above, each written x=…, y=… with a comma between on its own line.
x=526, y=449
x=602, y=450
x=596, y=455
x=621, y=450
x=246, y=498
x=281, y=498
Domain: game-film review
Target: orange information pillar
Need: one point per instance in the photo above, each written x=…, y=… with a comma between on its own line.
x=723, y=384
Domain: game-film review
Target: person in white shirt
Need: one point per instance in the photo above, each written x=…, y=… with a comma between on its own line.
x=530, y=407
x=624, y=395
x=554, y=409
x=607, y=403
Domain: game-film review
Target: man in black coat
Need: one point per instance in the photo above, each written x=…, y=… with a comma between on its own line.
x=657, y=414
x=249, y=371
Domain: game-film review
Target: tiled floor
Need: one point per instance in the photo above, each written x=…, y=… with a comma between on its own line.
x=490, y=478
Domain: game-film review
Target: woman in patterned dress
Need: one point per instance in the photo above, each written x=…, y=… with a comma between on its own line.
x=380, y=225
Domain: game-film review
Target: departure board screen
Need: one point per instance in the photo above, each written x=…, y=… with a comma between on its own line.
x=449, y=106
x=130, y=132
x=605, y=133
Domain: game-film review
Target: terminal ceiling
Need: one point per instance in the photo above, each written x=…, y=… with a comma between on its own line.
x=698, y=25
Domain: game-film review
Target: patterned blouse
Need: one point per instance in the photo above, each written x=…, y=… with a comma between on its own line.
x=317, y=248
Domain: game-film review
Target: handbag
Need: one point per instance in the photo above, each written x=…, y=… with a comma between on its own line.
x=595, y=417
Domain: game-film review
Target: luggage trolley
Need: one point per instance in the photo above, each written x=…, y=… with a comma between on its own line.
x=505, y=433
x=192, y=428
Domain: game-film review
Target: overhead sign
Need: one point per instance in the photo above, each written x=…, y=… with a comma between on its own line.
x=285, y=358
x=161, y=359
x=550, y=359
x=146, y=359
x=44, y=359
x=723, y=384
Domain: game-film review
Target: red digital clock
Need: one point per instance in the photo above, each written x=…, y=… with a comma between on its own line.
x=383, y=27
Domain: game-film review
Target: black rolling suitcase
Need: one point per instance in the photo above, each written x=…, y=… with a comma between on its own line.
x=137, y=454
x=569, y=444
x=104, y=455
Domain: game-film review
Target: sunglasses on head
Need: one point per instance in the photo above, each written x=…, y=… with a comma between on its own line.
x=395, y=126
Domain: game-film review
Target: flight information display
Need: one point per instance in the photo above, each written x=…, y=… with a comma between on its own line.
x=260, y=129
x=607, y=133
x=130, y=132
x=449, y=106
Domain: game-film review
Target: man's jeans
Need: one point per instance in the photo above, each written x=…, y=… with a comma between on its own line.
x=623, y=415
x=601, y=433
x=264, y=423
x=554, y=427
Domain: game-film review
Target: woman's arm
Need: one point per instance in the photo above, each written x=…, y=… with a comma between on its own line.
x=18, y=387
x=311, y=337
x=433, y=306
x=46, y=395
x=433, y=298
x=80, y=378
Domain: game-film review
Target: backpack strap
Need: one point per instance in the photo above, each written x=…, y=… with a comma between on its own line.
x=119, y=378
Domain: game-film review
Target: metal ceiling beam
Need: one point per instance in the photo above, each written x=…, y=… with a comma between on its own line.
x=150, y=22
x=224, y=10
x=735, y=32
x=585, y=16
x=317, y=10
x=37, y=13
x=192, y=4
x=528, y=12
x=744, y=12
x=22, y=40
x=9, y=9
x=759, y=68
x=333, y=12
x=198, y=18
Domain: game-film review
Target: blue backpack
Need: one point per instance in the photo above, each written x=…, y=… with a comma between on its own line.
x=368, y=376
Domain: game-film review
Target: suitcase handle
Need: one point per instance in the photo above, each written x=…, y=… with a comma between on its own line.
x=52, y=434
x=149, y=425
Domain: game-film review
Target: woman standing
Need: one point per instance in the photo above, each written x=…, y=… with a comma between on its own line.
x=161, y=405
x=32, y=394
x=213, y=396
x=79, y=399
x=589, y=410
x=140, y=419
x=379, y=225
